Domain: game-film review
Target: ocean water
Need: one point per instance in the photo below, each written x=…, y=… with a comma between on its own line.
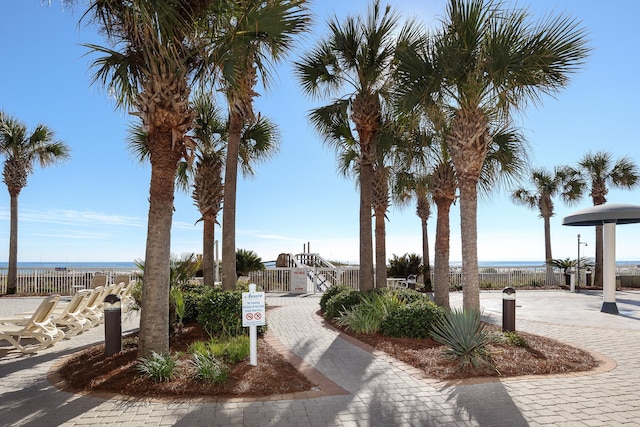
x=69, y=265
x=128, y=265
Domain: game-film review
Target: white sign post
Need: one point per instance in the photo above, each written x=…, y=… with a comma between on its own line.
x=253, y=315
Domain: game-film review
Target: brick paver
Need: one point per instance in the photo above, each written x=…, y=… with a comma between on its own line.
x=358, y=387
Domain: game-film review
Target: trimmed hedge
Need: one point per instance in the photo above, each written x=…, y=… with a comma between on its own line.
x=413, y=320
x=330, y=293
x=342, y=301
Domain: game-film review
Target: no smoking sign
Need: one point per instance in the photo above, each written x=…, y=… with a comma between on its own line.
x=253, y=308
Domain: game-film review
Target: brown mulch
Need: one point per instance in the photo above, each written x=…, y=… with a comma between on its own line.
x=91, y=371
x=541, y=356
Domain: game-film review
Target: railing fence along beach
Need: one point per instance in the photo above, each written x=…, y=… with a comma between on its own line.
x=66, y=280
x=60, y=280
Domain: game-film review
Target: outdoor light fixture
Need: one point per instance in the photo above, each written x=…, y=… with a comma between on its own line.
x=578, y=265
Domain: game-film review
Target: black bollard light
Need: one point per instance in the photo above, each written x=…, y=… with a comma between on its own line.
x=508, y=309
x=112, y=325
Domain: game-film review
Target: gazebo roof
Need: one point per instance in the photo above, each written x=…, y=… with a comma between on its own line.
x=598, y=215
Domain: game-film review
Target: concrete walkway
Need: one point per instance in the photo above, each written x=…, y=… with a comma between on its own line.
x=376, y=390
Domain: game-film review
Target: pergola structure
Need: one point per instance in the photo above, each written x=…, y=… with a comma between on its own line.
x=607, y=215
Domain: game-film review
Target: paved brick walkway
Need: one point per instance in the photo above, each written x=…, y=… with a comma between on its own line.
x=365, y=389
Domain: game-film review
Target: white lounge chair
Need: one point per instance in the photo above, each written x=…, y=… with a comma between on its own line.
x=98, y=280
x=38, y=327
x=92, y=311
x=122, y=278
x=70, y=315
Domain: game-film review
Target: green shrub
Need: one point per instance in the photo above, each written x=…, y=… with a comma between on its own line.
x=367, y=316
x=462, y=332
x=192, y=297
x=341, y=302
x=177, y=298
x=220, y=313
x=229, y=349
x=409, y=296
x=485, y=284
x=329, y=293
x=209, y=369
x=232, y=350
x=514, y=339
x=158, y=367
x=413, y=320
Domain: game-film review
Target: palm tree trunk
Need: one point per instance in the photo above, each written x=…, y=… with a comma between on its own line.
x=154, y=319
x=426, y=274
x=208, y=243
x=597, y=280
x=381, y=251
x=441, y=257
x=469, y=229
x=547, y=250
x=12, y=273
x=366, y=246
x=229, y=276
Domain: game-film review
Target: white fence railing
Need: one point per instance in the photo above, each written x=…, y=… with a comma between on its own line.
x=318, y=279
x=63, y=281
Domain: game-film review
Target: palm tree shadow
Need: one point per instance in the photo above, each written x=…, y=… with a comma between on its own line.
x=485, y=404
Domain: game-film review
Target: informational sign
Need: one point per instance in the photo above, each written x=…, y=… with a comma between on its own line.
x=298, y=280
x=253, y=309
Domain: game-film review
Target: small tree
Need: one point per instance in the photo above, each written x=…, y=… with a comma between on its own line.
x=247, y=261
x=405, y=265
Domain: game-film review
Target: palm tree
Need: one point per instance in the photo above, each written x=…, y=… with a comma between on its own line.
x=353, y=62
x=22, y=151
x=208, y=188
x=247, y=261
x=444, y=188
x=416, y=184
x=563, y=181
x=600, y=170
x=484, y=62
x=259, y=141
x=255, y=34
x=148, y=71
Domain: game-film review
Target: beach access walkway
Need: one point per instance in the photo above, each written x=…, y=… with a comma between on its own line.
x=361, y=388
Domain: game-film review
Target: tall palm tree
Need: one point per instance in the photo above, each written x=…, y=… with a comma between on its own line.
x=148, y=69
x=444, y=188
x=22, y=151
x=353, y=63
x=505, y=161
x=601, y=171
x=255, y=34
x=415, y=184
x=484, y=62
x=411, y=180
x=380, y=206
x=563, y=181
x=208, y=187
x=259, y=142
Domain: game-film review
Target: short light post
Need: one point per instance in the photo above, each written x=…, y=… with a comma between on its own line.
x=508, y=309
x=578, y=265
x=112, y=325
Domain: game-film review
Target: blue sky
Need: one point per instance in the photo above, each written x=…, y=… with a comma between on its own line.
x=94, y=207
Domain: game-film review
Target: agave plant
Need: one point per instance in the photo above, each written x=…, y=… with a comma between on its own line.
x=462, y=332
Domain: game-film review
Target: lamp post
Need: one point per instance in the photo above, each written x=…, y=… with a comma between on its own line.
x=578, y=264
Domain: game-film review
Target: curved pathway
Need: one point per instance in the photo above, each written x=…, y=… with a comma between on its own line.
x=363, y=388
